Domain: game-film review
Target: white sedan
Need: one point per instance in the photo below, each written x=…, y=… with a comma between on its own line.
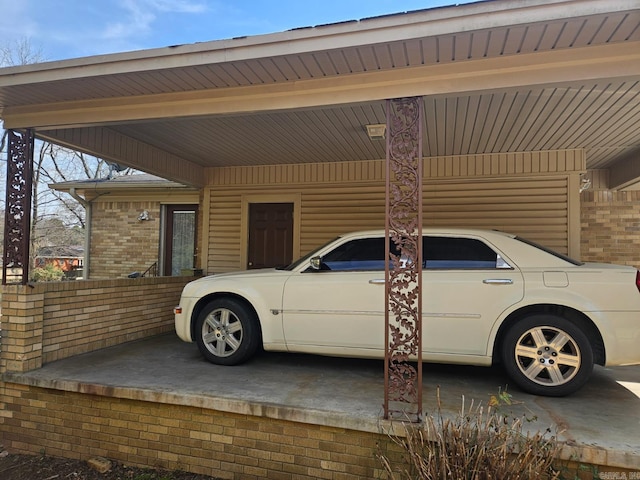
x=488, y=297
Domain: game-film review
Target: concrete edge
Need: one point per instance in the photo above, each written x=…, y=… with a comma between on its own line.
x=582, y=454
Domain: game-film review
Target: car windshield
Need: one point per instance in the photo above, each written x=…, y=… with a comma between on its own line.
x=549, y=251
x=306, y=257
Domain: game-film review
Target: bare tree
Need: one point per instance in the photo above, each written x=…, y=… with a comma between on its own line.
x=57, y=164
x=56, y=219
x=20, y=52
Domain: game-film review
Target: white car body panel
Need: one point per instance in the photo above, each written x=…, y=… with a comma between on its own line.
x=331, y=309
x=341, y=313
x=261, y=288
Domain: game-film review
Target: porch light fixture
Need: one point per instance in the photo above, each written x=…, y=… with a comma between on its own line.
x=377, y=131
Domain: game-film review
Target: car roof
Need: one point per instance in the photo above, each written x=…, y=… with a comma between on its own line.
x=437, y=231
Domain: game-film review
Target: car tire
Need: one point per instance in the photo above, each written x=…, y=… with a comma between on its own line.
x=227, y=332
x=547, y=355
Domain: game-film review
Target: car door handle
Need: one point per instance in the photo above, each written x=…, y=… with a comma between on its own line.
x=377, y=281
x=497, y=281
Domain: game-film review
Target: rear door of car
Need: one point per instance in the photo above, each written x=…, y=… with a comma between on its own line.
x=466, y=287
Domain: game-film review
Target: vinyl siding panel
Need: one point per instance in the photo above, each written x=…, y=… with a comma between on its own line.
x=536, y=208
x=526, y=194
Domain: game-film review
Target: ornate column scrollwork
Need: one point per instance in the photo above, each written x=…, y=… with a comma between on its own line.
x=403, y=275
x=17, y=215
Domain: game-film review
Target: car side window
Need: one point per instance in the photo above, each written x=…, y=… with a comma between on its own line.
x=368, y=254
x=360, y=254
x=459, y=253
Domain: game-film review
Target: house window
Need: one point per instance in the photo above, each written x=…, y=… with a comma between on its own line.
x=180, y=239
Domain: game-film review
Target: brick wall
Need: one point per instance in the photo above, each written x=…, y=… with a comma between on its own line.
x=224, y=445
x=21, y=324
x=53, y=320
x=120, y=243
x=610, y=227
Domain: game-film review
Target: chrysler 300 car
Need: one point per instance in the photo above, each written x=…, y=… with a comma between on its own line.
x=488, y=297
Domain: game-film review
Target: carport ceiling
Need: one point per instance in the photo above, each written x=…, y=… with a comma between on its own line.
x=590, y=104
x=603, y=118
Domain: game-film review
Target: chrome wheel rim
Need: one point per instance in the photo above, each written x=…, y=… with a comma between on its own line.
x=222, y=332
x=548, y=356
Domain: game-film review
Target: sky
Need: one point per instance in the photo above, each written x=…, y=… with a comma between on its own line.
x=63, y=29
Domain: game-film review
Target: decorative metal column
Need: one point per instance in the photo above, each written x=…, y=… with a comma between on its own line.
x=403, y=275
x=17, y=215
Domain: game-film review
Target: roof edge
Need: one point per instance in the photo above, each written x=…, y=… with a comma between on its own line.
x=130, y=182
x=380, y=29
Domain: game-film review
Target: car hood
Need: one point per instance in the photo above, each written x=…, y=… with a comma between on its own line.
x=240, y=275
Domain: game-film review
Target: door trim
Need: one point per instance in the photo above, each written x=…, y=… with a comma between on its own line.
x=294, y=198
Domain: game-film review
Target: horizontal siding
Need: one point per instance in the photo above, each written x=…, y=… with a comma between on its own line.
x=555, y=161
x=224, y=232
x=328, y=211
x=463, y=166
x=533, y=207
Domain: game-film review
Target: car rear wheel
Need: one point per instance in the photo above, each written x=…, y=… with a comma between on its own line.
x=547, y=355
x=227, y=332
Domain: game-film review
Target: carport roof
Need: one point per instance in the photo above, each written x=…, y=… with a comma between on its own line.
x=496, y=76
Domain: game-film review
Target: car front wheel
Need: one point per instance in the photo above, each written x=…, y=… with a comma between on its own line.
x=547, y=355
x=227, y=332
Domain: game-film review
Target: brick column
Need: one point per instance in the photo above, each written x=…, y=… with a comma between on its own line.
x=21, y=323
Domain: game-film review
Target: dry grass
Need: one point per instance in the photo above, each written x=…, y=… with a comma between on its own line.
x=479, y=443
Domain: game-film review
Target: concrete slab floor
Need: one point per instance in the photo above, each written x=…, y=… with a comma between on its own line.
x=601, y=422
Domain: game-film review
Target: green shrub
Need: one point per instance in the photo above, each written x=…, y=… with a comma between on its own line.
x=48, y=273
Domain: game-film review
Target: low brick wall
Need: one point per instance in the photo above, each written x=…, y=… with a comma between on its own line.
x=199, y=440
x=226, y=445
x=49, y=321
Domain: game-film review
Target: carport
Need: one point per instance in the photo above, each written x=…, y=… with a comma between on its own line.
x=525, y=105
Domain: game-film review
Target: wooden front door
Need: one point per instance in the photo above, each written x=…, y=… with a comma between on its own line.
x=270, y=235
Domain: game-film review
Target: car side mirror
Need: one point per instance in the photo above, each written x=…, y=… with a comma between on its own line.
x=316, y=263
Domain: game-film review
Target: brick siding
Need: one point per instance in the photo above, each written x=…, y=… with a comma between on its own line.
x=610, y=224
x=120, y=243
